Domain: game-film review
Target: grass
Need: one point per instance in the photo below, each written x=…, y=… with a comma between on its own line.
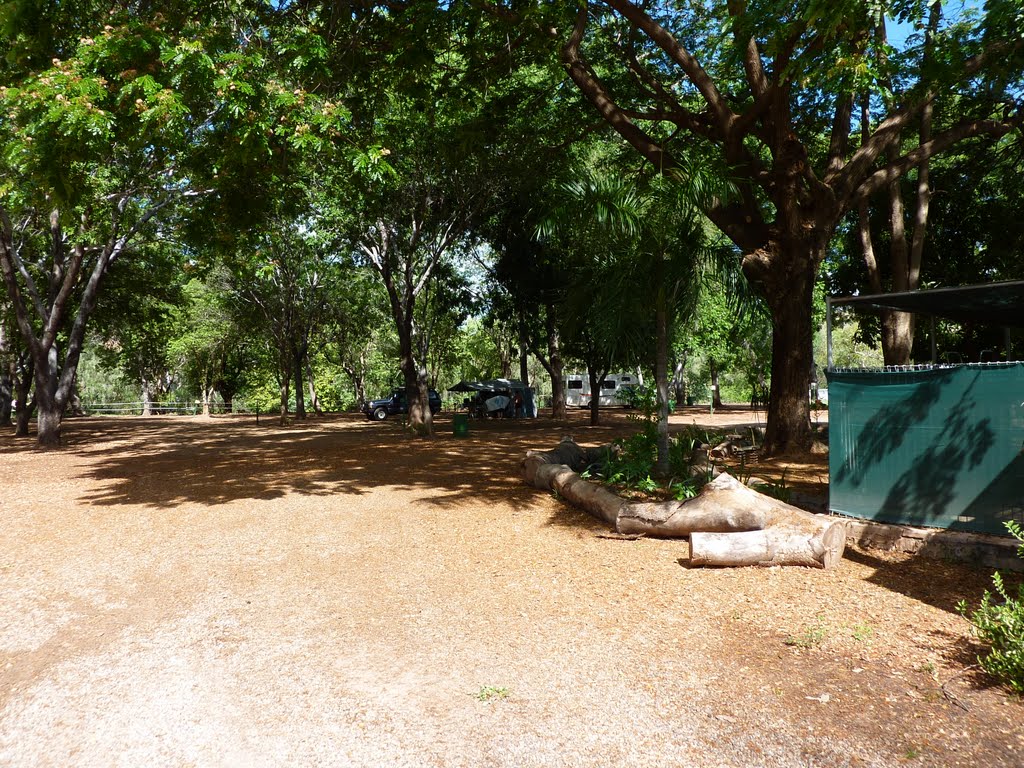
x=489, y=693
x=862, y=633
x=809, y=638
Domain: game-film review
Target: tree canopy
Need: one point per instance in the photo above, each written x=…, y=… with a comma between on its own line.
x=291, y=188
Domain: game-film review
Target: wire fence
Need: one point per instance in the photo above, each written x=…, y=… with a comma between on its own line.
x=158, y=409
x=925, y=367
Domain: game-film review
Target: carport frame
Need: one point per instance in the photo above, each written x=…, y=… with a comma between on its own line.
x=1000, y=303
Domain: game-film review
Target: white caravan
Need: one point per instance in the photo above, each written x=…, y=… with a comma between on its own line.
x=578, y=394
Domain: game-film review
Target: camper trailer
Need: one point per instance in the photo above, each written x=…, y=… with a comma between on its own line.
x=578, y=394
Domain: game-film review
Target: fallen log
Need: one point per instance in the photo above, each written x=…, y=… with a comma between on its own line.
x=787, y=536
x=728, y=524
x=723, y=505
x=568, y=452
x=598, y=501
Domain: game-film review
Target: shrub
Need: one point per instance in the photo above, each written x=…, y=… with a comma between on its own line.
x=634, y=461
x=1000, y=625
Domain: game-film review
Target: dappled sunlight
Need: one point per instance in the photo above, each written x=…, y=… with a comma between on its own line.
x=166, y=461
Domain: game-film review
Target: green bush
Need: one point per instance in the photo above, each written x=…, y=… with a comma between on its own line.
x=634, y=460
x=631, y=465
x=1000, y=625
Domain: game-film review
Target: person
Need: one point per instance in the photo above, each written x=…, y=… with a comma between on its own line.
x=518, y=403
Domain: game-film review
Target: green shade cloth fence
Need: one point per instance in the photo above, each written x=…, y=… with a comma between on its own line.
x=941, y=447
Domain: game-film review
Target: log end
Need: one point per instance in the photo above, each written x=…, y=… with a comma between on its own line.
x=833, y=542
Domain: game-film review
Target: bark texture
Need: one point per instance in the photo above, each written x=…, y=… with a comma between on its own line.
x=728, y=524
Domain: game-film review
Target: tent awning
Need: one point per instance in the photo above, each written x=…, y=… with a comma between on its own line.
x=470, y=386
x=999, y=304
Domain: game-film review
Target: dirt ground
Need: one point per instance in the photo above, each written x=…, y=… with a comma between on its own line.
x=188, y=592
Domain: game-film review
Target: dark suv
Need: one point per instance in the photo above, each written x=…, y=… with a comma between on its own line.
x=378, y=410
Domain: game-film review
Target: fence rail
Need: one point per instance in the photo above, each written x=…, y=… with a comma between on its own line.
x=156, y=409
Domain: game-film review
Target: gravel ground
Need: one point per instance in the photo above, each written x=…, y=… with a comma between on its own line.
x=189, y=592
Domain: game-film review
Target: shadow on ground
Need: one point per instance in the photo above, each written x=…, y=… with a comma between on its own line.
x=165, y=461
x=935, y=582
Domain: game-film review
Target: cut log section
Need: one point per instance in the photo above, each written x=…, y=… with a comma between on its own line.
x=728, y=524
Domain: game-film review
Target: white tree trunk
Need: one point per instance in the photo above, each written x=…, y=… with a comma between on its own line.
x=728, y=523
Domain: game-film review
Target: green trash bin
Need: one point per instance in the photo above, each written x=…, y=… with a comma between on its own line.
x=461, y=424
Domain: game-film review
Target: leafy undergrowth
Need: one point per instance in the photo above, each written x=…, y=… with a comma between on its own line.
x=629, y=467
x=1000, y=625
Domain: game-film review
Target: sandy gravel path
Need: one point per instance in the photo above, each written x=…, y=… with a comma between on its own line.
x=180, y=592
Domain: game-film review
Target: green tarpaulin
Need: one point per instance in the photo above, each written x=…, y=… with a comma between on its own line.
x=941, y=447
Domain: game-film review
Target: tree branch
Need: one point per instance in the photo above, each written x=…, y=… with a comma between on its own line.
x=689, y=64
x=592, y=88
x=964, y=130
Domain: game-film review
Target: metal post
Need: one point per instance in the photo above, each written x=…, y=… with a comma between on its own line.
x=1009, y=345
x=828, y=330
x=935, y=344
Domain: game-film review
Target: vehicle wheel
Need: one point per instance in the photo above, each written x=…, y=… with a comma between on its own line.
x=380, y=413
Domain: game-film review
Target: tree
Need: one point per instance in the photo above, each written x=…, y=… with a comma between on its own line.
x=536, y=279
x=591, y=230
x=103, y=105
x=768, y=91
x=639, y=249
x=209, y=347
x=446, y=307
x=356, y=325
x=134, y=321
x=7, y=371
x=284, y=272
x=414, y=213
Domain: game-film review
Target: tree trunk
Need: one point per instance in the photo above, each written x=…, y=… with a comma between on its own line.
x=524, y=347
x=314, y=401
x=897, y=337
x=147, y=398
x=6, y=393
x=790, y=300
x=300, y=400
x=716, y=392
x=75, y=407
x=789, y=412
x=227, y=394
x=421, y=418
x=359, y=385
x=23, y=416
x=661, y=467
x=679, y=382
x=48, y=424
x=558, y=409
x=595, y=396
x=23, y=386
x=505, y=357
x=728, y=524
x=788, y=535
x=6, y=379
x=283, y=386
x=415, y=378
x=49, y=404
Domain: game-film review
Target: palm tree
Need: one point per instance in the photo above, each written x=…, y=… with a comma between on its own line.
x=644, y=247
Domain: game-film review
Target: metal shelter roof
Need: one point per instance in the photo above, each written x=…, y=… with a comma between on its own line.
x=997, y=303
